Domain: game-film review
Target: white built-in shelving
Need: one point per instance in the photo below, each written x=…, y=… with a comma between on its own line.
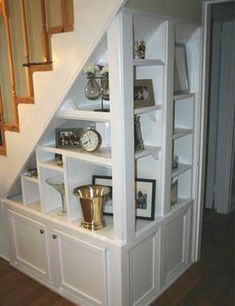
x=169, y=127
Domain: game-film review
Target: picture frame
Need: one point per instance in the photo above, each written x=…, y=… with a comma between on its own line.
x=68, y=137
x=143, y=93
x=181, y=81
x=145, y=196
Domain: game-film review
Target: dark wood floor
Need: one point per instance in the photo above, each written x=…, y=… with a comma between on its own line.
x=208, y=283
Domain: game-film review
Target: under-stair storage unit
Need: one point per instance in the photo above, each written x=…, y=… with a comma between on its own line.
x=149, y=156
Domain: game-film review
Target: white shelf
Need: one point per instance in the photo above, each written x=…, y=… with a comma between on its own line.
x=183, y=96
x=84, y=115
x=148, y=109
x=178, y=133
x=30, y=178
x=50, y=164
x=100, y=157
x=181, y=202
x=148, y=62
x=180, y=169
x=149, y=150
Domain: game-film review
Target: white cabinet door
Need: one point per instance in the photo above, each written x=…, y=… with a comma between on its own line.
x=175, y=248
x=81, y=269
x=29, y=247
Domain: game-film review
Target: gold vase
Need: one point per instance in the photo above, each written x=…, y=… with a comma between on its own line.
x=92, y=199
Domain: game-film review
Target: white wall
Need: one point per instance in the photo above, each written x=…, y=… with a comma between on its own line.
x=187, y=9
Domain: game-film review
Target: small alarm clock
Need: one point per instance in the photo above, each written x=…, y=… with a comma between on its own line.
x=90, y=140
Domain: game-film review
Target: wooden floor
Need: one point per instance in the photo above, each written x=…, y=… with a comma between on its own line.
x=208, y=283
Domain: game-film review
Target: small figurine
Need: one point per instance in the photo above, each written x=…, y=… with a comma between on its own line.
x=142, y=49
x=139, y=49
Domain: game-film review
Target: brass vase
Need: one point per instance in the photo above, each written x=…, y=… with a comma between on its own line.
x=92, y=199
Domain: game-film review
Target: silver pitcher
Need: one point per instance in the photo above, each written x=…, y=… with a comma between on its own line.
x=92, y=199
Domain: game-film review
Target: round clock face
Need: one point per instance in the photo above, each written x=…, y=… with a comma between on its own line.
x=90, y=140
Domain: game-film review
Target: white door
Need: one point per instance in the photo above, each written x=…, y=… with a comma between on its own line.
x=81, y=269
x=29, y=250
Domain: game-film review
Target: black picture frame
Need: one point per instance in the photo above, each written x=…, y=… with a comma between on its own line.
x=68, y=137
x=145, y=205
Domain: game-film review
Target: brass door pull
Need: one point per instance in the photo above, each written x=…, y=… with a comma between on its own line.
x=41, y=231
x=54, y=236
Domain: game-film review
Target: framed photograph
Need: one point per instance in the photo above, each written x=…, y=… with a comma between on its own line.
x=106, y=181
x=181, y=70
x=143, y=93
x=145, y=196
x=68, y=138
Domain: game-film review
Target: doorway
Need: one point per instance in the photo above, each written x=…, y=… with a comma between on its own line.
x=220, y=157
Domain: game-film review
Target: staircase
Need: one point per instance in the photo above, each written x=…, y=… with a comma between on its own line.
x=26, y=28
x=70, y=52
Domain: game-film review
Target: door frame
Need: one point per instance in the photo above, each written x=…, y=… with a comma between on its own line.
x=206, y=18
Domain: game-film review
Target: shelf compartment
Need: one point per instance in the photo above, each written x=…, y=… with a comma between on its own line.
x=183, y=96
x=51, y=164
x=84, y=115
x=144, y=110
x=30, y=189
x=180, y=202
x=30, y=178
x=179, y=132
x=180, y=169
x=101, y=157
x=149, y=150
x=148, y=62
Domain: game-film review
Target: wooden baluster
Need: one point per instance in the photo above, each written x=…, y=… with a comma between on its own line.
x=63, y=9
x=2, y=134
x=45, y=36
x=26, y=47
x=15, y=123
x=0, y=7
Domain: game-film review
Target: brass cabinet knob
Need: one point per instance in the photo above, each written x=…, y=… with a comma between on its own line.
x=41, y=231
x=54, y=236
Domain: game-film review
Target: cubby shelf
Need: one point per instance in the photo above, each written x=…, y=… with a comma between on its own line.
x=148, y=62
x=180, y=169
x=179, y=132
x=183, y=96
x=84, y=115
x=30, y=178
x=149, y=150
x=101, y=157
x=143, y=110
x=180, y=202
x=50, y=164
